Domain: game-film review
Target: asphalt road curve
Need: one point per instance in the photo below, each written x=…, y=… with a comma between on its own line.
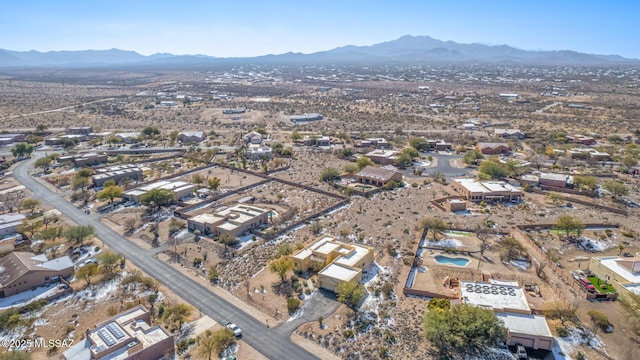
x=255, y=333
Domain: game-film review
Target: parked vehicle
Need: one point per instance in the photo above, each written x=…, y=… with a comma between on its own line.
x=587, y=284
x=233, y=327
x=521, y=352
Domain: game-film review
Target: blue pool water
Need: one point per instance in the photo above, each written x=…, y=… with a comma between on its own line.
x=455, y=261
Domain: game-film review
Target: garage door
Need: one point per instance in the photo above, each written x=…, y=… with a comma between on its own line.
x=519, y=340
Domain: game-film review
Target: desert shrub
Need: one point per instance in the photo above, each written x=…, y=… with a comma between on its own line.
x=293, y=304
x=562, y=331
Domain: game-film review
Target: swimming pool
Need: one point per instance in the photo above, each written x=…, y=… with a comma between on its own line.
x=447, y=260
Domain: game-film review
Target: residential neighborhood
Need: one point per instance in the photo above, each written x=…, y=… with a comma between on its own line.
x=348, y=210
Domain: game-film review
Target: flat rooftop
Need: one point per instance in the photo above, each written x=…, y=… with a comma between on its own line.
x=354, y=257
x=339, y=272
x=496, y=295
x=525, y=324
x=613, y=264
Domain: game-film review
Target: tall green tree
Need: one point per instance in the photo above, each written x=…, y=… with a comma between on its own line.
x=30, y=204
x=215, y=343
x=156, y=197
x=492, y=169
x=363, y=162
x=433, y=225
x=110, y=192
x=22, y=149
x=464, y=329
x=616, y=188
x=150, y=131
x=78, y=234
x=569, y=225
x=213, y=183
x=329, y=174
x=88, y=272
x=109, y=262
x=178, y=314
x=510, y=248
x=350, y=293
x=585, y=182
x=282, y=266
x=419, y=143
x=471, y=157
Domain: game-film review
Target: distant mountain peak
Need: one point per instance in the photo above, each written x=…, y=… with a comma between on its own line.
x=407, y=49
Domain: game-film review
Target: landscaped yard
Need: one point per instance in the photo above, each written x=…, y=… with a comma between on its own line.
x=601, y=286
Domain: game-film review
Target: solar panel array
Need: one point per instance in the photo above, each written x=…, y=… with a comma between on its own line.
x=106, y=336
x=116, y=330
x=111, y=334
x=490, y=289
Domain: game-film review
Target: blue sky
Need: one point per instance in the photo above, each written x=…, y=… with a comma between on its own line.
x=249, y=28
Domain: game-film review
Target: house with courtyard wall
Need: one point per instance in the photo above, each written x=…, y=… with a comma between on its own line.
x=622, y=273
x=509, y=303
x=383, y=157
x=179, y=189
x=235, y=220
x=119, y=174
x=339, y=262
x=474, y=190
x=128, y=335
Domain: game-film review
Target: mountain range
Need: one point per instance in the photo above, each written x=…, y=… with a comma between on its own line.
x=405, y=50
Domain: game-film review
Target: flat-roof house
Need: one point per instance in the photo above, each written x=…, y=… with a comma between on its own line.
x=6, y=139
x=489, y=148
x=622, y=273
x=119, y=174
x=509, y=303
x=376, y=176
x=128, y=137
x=99, y=135
x=180, y=189
x=382, y=157
x=599, y=156
x=379, y=143
x=191, y=136
x=307, y=117
x=339, y=262
x=128, y=335
x=89, y=159
x=454, y=205
x=80, y=130
x=316, y=140
x=439, y=145
x=234, y=111
x=258, y=152
x=9, y=223
x=20, y=271
x=556, y=180
x=509, y=133
x=474, y=190
x=234, y=220
x=582, y=139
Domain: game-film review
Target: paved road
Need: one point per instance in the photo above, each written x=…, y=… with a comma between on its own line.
x=270, y=343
